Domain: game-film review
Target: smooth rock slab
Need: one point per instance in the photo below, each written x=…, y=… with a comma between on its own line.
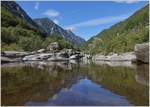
x=37, y=57
x=128, y=56
x=8, y=60
x=14, y=54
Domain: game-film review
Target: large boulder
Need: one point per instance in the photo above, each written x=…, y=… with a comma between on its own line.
x=142, y=52
x=53, y=46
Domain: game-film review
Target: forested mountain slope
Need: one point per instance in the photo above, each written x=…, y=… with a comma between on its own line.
x=19, y=32
x=122, y=36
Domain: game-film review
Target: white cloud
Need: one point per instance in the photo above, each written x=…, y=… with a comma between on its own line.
x=126, y=1
x=51, y=13
x=98, y=22
x=37, y=6
x=72, y=28
x=56, y=21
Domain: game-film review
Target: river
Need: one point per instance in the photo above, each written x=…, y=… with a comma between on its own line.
x=74, y=84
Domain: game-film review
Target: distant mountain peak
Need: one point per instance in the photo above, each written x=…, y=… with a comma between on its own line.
x=17, y=11
x=52, y=28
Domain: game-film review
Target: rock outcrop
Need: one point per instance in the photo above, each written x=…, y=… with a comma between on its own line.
x=53, y=46
x=142, y=52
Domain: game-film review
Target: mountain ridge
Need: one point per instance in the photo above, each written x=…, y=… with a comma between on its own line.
x=17, y=10
x=19, y=32
x=50, y=27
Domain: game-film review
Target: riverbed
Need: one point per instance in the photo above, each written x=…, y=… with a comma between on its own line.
x=71, y=83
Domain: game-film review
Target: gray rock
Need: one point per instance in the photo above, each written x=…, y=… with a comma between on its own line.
x=53, y=46
x=62, y=54
x=116, y=63
x=142, y=52
x=59, y=56
x=76, y=56
x=128, y=56
x=14, y=54
x=37, y=57
x=69, y=51
x=8, y=60
x=57, y=59
x=41, y=50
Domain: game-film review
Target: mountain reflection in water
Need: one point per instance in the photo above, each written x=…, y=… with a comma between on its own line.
x=71, y=83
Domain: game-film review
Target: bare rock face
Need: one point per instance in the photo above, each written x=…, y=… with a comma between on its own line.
x=53, y=46
x=142, y=52
x=52, y=28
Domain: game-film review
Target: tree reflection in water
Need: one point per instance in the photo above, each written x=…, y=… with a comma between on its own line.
x=40, y=82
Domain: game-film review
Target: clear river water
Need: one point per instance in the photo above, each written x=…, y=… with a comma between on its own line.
x=74, y=84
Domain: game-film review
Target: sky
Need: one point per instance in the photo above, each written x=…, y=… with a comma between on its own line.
x=85, y=19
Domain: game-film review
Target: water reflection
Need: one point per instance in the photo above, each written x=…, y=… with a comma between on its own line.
x=142, y=75
x=71, y=83
x=84, y=93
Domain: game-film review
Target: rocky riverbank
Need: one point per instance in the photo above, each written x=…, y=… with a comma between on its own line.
x=14, y=56
x=51, y=53
x=141, y=54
